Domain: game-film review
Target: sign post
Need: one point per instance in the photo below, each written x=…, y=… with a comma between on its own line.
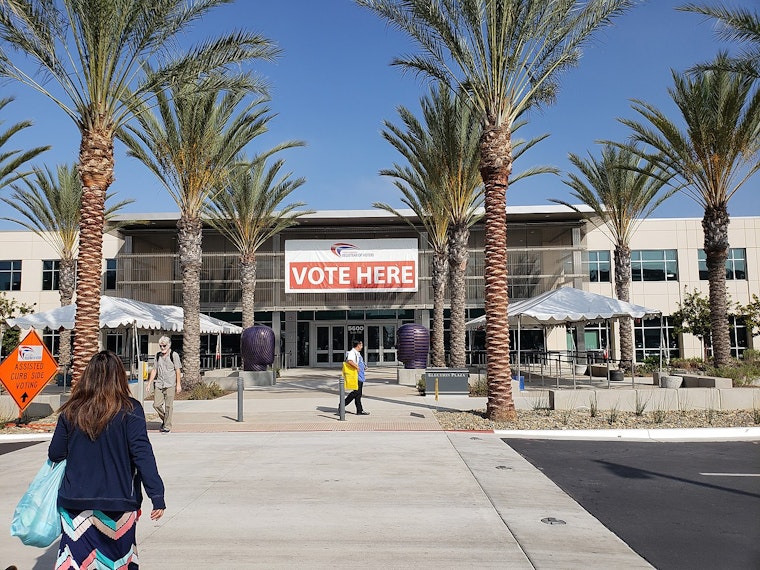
x=27, y=370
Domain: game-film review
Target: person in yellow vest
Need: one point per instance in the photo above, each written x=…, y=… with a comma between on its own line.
x=355, y=360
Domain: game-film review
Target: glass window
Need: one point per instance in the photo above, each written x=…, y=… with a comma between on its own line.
x=647, y=337
x=10, y=275
x=115, y=342
x=599, y=266
x=330, y=316
x=738, y=333
x=654, y=265
x=323, y=338
x=52, y=340
x=50, y=275
x=110, y=280
x=736, y=264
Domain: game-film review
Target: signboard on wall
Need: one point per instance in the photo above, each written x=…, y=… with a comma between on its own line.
x=356, y=266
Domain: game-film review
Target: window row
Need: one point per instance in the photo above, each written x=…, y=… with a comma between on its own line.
x=662, y=265
x=10, y=275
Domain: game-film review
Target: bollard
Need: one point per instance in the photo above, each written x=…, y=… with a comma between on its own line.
x=342, y=405
x=240, y=398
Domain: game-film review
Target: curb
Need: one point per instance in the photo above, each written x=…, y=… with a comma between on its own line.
x=9, y=438
x=690, y=434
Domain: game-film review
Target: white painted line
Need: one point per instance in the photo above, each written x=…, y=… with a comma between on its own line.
x=731, y=474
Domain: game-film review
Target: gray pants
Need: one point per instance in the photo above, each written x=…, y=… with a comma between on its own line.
x=163, y=403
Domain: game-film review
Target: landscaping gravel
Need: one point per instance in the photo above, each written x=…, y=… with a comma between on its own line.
x=582, y=419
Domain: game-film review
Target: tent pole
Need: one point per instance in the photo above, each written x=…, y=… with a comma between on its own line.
x=607, y=351
x=519, y=321
x=662, y=340
x=136, y=358
x=219, y=350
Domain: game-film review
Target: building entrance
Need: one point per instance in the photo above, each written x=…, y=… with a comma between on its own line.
x=331, y=341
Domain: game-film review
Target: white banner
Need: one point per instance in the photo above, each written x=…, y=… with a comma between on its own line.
x=335, y=266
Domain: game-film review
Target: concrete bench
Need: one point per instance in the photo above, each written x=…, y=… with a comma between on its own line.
x=695, y=381
x=600, y=369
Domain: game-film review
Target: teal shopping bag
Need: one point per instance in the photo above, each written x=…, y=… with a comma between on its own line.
x=36, y=520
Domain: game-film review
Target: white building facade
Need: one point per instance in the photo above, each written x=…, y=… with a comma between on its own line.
x=304, y=294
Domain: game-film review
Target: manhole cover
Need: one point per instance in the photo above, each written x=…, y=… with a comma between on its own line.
x=552, y=520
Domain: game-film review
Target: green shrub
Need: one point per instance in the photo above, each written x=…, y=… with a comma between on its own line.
x=205, y=391
x=740, y=373
x=479, y=388
x=695, y=363
x=650, y=364
x=751, y=356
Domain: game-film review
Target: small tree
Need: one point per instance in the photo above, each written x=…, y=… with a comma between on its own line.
x=750, y=314
x=693, y=317
x=9, y=308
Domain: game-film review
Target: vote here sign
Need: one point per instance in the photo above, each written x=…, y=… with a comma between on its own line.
x=334, y=266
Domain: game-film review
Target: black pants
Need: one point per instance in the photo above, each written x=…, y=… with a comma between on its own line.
x=356, y=395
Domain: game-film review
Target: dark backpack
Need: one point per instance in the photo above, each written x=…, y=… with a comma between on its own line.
x=171, y=356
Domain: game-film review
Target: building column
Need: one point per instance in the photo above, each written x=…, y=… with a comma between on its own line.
x=291, y=338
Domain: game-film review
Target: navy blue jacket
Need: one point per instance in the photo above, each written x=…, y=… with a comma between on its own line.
x=107, y=474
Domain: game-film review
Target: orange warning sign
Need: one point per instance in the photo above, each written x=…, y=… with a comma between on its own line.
x=27, y=369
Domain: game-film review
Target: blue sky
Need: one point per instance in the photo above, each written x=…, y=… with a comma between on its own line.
x=333, y=87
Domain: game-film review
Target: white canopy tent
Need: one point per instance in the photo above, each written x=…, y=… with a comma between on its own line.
x=117, y=312
x=567, y=305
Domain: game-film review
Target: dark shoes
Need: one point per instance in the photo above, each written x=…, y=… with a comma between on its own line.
x=164, y=430
x=362, y=413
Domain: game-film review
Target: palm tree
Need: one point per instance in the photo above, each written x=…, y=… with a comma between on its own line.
x=91, y=58
x=442, y=186
x=12, y=160
x=246, y=212
x=190, y=143
x=434, y=221
x=442, y=151
x=713, y=156
x=622, y=192
x=50, y=206
x=737, y=24
x=508, y=57
x=419, y=184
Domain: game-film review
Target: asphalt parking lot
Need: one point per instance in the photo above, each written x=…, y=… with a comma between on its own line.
x=678, y=505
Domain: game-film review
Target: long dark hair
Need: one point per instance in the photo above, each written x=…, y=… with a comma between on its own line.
x=100, y=394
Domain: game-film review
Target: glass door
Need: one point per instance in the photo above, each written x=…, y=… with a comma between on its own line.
x=380, y=344
x=330, y=344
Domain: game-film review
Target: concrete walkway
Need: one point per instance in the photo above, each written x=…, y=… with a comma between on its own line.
x=294, y=487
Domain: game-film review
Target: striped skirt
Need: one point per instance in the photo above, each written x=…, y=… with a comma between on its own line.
x=96, y=540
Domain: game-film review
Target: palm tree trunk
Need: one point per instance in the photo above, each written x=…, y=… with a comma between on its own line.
x=248, y=284
x=96, y=171
x=190, y=235
x=66, y=284
x=495, y=168
x=458, y=237
x=623, y=292
x=715, y=226
x=438, y=278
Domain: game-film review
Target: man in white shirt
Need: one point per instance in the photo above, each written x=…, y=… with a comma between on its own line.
x=355, y=359
x=167, y=375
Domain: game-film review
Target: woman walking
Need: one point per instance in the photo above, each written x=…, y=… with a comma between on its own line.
x=102, y=434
